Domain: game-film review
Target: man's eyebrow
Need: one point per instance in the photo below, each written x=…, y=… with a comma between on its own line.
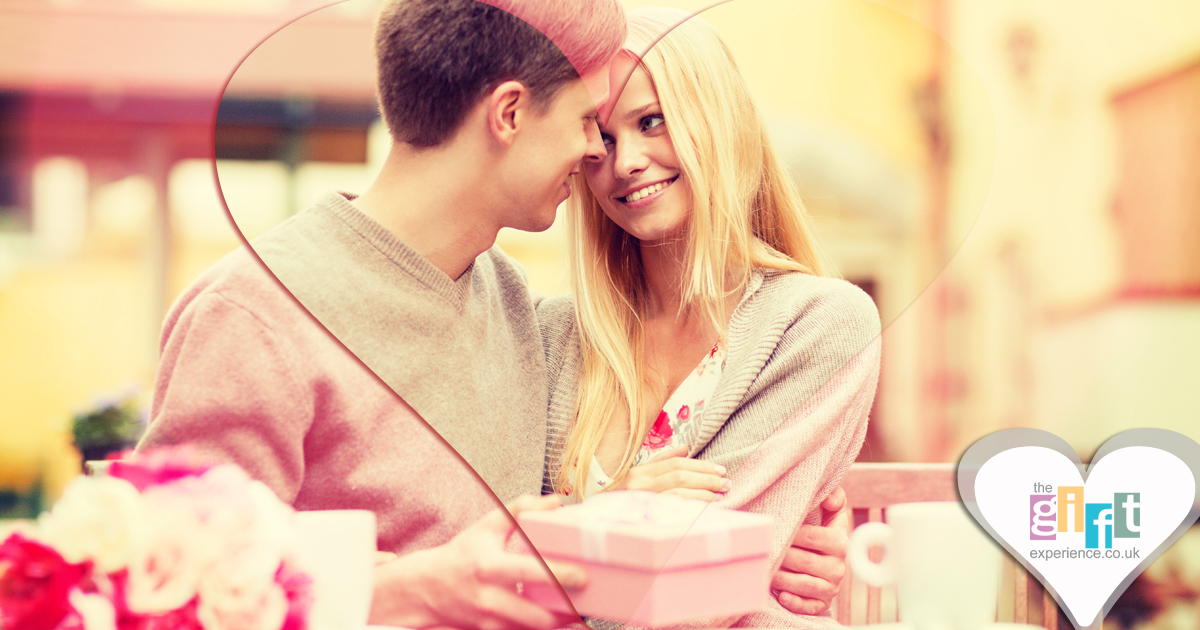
x=639, y=112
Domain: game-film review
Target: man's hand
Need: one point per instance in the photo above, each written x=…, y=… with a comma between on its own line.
x=815, y=564
x=570, y=576
x=469, y=582
x=672, y=471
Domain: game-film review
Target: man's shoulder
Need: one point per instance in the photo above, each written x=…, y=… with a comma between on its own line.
x=496, y=262
x=505, y=276
x=306, y=237
x=239, y=279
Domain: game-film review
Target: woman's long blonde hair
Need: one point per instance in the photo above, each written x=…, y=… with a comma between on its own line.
x=746, y=214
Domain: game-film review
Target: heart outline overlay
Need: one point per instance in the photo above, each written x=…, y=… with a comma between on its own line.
x=1179, y=445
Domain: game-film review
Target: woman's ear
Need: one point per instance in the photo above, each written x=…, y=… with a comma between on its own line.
x=507, y=106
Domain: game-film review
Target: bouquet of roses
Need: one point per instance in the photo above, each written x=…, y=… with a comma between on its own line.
x=166, y=541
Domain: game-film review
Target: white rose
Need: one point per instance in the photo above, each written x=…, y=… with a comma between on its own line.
x=259, y=538
x=263, y=610
x=97, y=519
x=166, y=565
x=96, y=611
x=220, y=535
x=239, y=592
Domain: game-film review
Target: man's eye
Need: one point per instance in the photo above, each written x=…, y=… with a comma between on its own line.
x=652, y=121
x=607, y=139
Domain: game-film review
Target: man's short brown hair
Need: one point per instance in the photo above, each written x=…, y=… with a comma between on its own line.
x=437, y=58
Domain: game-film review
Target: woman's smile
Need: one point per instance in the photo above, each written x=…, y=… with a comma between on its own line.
x=646, y=195
x=635, y=182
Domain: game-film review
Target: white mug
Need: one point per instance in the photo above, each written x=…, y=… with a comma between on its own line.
x=945, y=568
x=338, y=549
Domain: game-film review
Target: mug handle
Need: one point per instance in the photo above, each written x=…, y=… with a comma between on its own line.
x=861, y=539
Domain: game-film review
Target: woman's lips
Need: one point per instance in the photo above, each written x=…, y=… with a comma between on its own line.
x=647, y=192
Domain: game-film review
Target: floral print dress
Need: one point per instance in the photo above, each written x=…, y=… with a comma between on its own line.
x=678, y=422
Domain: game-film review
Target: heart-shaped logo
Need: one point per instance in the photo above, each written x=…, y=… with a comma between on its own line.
x=1084, y=532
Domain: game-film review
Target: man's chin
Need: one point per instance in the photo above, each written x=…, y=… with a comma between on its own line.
x=538, y=224
x=542, y=227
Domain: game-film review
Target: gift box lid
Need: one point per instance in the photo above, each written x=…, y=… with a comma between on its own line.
x=648, y=530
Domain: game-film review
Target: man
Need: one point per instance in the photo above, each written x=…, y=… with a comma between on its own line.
x=489, y=117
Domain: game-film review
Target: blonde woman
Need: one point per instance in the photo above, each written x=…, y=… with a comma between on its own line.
x=705, y=351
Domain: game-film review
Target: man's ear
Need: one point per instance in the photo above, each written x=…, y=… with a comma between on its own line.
x=507, y=106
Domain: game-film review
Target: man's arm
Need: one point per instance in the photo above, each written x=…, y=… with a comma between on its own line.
x=230, y=386
x=226, y=385
x=814, y=566
x=471, y=581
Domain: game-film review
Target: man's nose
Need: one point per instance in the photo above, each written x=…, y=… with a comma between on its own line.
x=595, y=150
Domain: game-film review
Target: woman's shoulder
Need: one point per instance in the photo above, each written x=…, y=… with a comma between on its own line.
x=817, y=300
x=556, y=322
x=556, y=314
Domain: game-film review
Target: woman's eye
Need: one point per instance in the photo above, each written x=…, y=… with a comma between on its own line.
x=607, y=139
x=652, y=121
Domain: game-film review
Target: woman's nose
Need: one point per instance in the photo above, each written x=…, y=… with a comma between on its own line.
x=630, y=158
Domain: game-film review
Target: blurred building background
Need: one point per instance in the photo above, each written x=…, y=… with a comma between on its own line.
x=1017, y=185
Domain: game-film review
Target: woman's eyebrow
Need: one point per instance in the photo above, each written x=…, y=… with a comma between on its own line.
x=639, y=112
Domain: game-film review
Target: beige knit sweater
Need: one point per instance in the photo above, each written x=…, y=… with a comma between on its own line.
x=463, y=352
x=789, y=414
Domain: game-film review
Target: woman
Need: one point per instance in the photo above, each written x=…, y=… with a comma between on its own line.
x=701, y=324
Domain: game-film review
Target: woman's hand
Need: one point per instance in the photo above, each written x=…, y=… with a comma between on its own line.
x=672, y=471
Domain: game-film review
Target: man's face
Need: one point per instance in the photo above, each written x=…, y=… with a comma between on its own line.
x=546, y=153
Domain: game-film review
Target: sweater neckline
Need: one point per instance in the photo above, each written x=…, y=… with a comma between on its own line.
x=399, y=252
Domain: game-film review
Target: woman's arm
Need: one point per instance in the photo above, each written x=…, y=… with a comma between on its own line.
x=803, y=460
x=810, y=357
x=802, y=421
x=789, y=473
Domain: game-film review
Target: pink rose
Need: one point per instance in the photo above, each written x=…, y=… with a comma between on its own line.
x=684, y=413
x=159, y=466
x=298, y=587
x=36, y=584
x=660, y=433
x=191, y=523
x=182, y=618
x=243, y=590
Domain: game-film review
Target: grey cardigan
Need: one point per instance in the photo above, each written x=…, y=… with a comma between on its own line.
x=801, y=368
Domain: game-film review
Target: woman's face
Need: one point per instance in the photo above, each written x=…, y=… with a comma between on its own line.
x=639, y=183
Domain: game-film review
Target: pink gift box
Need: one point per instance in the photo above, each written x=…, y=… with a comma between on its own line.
x=654, y=559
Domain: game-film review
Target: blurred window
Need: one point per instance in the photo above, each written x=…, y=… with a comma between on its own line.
x=256, y=194
x=294, y=130
x=1157, y=204
x=60, y=205
x=16, y=170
